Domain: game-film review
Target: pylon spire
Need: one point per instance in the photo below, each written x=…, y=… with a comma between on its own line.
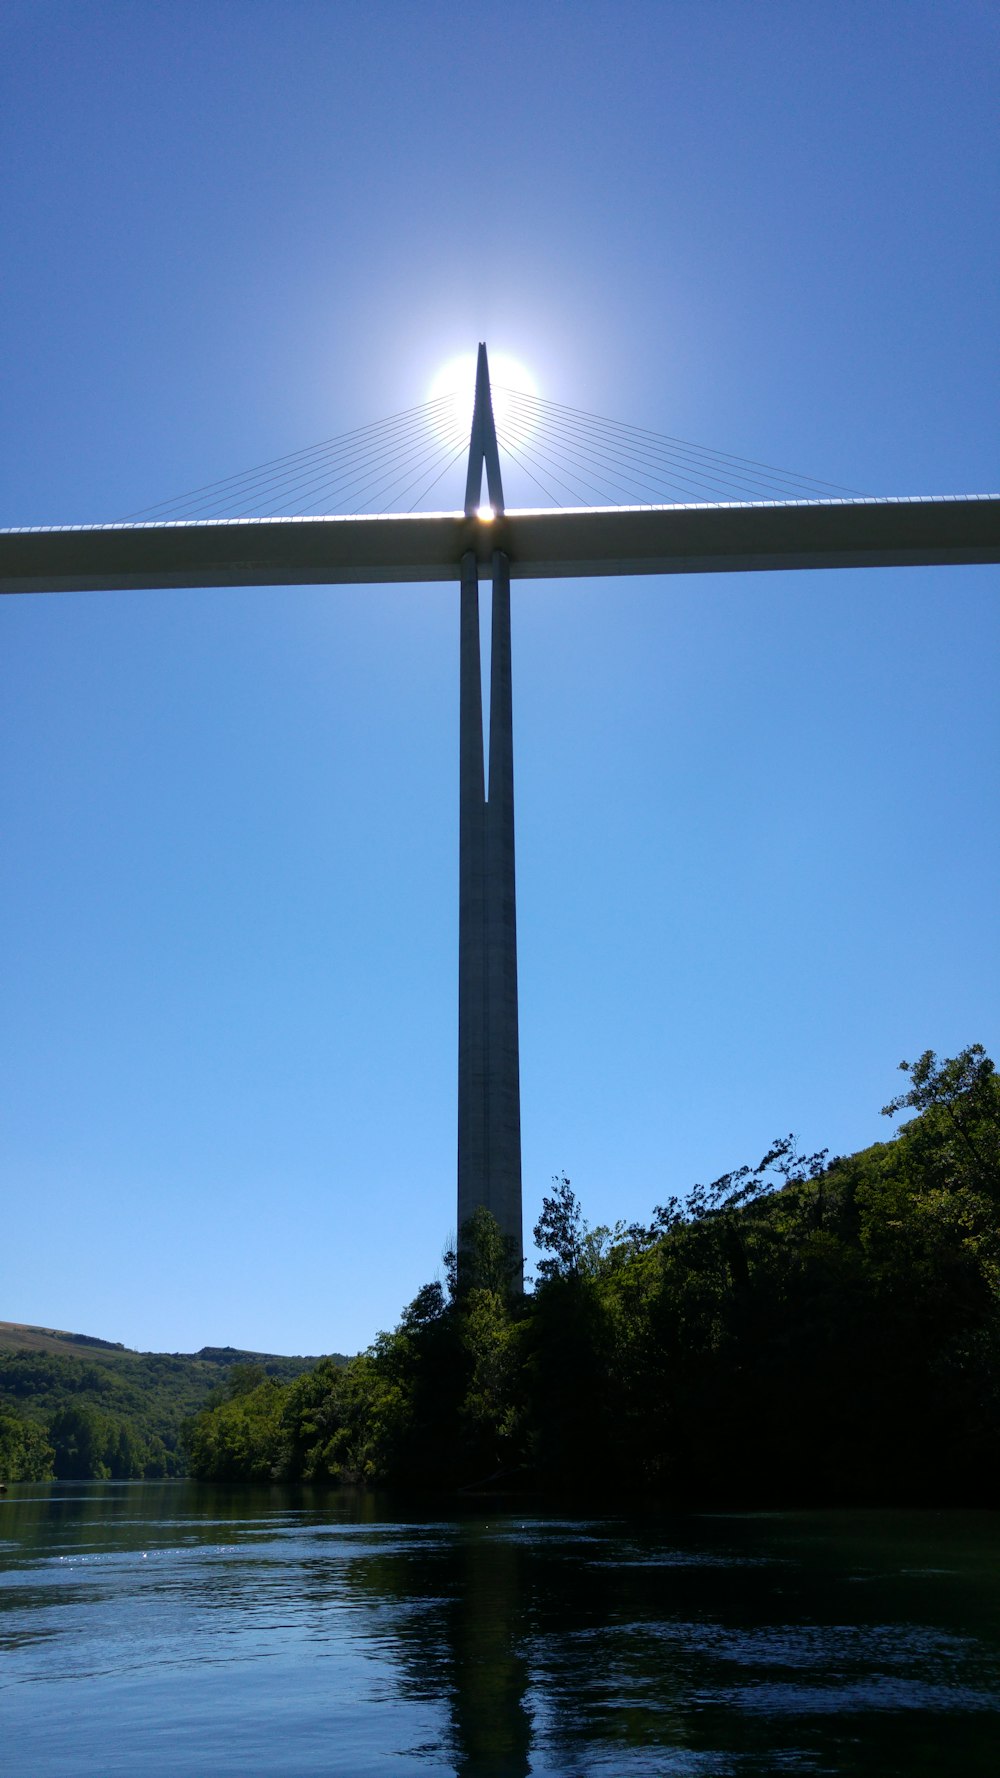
x=483, y=445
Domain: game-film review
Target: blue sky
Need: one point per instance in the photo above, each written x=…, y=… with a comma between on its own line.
x=756, y=817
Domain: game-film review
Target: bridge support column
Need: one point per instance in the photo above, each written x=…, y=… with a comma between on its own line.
x=489, y=1100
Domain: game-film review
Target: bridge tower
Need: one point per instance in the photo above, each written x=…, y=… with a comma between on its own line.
x=489, y=1093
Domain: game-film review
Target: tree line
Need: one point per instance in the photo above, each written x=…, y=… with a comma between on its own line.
x=800, y=1330
x=106, y=1411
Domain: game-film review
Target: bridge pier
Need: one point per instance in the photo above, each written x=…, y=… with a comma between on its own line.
x=489, y=1099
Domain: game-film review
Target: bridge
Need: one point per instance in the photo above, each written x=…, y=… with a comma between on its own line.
x=704, y=538
x=764, y=531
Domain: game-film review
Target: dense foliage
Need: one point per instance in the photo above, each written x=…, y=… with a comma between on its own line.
x=25, y=1453
x=802, y=1330
x=98, y=1410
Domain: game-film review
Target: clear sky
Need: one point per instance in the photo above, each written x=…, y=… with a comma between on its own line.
x=756, y=816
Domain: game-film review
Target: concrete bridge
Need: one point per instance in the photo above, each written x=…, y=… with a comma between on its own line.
x=488, y=542
x=539, y=544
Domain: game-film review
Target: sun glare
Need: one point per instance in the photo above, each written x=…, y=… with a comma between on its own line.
x=455, y=387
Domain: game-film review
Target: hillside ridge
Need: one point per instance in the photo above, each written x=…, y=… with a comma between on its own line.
x=24, y=1336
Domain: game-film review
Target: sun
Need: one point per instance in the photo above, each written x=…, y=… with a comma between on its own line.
x=454, y=388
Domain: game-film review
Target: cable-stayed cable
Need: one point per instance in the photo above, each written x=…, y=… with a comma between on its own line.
x=648, y=458
x=295, y=469
x=562, y=450
x=661, y=441
x=371, y=469
x=617, y=472
x=648, y=475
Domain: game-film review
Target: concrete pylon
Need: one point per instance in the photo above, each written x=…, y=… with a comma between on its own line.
x=489, y=1094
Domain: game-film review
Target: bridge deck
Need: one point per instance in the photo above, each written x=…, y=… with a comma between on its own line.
x=539, y=544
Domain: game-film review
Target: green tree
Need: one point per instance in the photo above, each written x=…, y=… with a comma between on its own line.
x=25, y=1453
x=956, y=1139
x=487, y=1259
x=560, y=1231
x=241, y=1439
x=82, y=1437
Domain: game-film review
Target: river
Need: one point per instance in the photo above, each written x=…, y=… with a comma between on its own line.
x=182, y=1631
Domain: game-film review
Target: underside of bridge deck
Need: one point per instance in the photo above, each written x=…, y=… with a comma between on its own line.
x=537, y=544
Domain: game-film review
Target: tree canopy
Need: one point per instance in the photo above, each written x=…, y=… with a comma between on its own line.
x=800, y=1329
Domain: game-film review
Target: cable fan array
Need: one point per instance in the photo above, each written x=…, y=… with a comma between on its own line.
x=585, y=455
x=572, y=457
x=373, y=468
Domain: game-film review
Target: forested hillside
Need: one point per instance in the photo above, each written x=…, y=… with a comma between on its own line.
x=75, y=1406
x=802, y=1330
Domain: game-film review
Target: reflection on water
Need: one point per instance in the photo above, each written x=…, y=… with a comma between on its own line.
x=452, y=1604
x=278, y=1633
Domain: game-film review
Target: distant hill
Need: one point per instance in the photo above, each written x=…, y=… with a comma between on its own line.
x=19, y=1336
x=16, y=1336
x=77, y=1387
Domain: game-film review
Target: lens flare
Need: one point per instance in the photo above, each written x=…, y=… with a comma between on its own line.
x=454, y=388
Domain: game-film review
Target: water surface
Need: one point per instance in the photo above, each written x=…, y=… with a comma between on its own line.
x=189, y=1632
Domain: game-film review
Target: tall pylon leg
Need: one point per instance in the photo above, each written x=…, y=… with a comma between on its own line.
x=473, y=1141
x=489, y=1099
x=504, y=1107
